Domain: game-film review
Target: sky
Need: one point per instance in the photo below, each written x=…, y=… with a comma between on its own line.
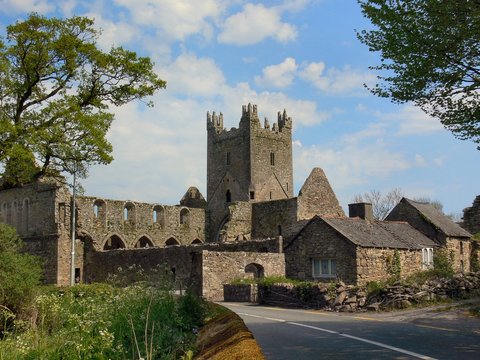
x=298, y=55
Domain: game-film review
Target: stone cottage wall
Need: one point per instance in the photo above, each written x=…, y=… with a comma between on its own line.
x=461, y=250
x=220, y=267
x=319, y=241
x=155, y=222
x=372, y=263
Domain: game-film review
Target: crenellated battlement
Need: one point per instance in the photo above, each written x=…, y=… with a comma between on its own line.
x=249, y=120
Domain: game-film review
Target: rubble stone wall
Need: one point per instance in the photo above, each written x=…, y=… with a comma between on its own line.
x=220, y=267
x=471, y=217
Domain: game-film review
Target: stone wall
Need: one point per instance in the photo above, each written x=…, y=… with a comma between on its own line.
x=373, y=263
x=320, y=241
x=471, y=217
x=239, y=224
x=316, y=197
x=41, y=214
x=220, y=267
x=241, y=293
x=461, y=250
x=139, y=224
x=273, y=218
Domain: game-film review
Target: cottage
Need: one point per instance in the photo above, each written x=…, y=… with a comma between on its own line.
x=433, y=223
x=356, y=250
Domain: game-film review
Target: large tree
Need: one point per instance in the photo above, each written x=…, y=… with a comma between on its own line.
x=430, y=55
x=56, y=87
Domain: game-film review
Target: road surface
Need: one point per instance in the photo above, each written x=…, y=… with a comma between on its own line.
x=309, y=334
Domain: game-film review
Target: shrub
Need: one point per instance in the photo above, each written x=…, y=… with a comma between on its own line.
x=443, y=263
x=19, y=273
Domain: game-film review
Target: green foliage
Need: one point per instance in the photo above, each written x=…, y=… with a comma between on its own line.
x=56, y=87
x=429, y=56
x=100, y=321
x=375, y=288
x=443, y=263
x=266, y=281
x=394, y=266
x=19, y=273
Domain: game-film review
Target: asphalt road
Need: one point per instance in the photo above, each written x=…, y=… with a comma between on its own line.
x=309, y=334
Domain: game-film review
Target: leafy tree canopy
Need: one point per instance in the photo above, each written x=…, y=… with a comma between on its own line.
x=430, y=53
x=56, y=87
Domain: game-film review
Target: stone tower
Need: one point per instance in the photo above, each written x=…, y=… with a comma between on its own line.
x=248, y=164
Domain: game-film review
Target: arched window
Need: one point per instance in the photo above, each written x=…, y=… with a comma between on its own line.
x=159, y=215
x=144, y=242
x=184, y=216
x=129, y=212
x=99, y=210
x=228, y=196
x=113, y=243
x=171, y=242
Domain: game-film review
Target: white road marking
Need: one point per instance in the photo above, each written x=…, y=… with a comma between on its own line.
x=376, y=343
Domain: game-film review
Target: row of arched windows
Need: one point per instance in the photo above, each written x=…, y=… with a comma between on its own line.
x=115, y=242
x=16, y=214
x=158, y=213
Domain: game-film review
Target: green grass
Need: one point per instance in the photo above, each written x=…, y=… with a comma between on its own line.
x=104, y=322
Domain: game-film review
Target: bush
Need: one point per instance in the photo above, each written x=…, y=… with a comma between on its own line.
x=443, y=263
x=19, y=273
x=100, y=321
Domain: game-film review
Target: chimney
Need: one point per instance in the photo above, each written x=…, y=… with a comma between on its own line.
x=362, y=210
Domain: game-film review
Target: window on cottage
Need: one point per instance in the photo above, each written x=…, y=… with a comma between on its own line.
x=228, y=196
x=228, y=157
x=252, y=195
x=272, y=158
x=427, y=258
x=324, y=268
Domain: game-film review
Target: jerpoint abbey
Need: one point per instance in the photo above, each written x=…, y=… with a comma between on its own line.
x=252, y=223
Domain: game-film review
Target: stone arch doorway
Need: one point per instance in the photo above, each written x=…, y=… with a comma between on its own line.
x=254, y=271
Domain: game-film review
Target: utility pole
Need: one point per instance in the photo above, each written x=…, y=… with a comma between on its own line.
x=72, y=269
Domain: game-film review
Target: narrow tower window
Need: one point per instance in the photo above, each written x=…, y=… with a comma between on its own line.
x=272, y=158
x=228, y=196
x=252, y=195
x=228, y=157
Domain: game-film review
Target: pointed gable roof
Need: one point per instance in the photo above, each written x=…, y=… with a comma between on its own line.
x=438, y=219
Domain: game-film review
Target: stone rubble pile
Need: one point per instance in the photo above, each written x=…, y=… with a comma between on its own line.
x=347, y=298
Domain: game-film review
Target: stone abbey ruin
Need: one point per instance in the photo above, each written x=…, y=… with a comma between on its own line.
x=250, y=225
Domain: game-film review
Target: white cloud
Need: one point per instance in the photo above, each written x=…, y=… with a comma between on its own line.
x=27, y=6
x=176, y=19
x=412, y=121
x=254, y=24
x=280, y=75
x=333, y=80
x=190, y=75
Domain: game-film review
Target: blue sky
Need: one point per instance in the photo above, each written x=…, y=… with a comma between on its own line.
x=298, y=55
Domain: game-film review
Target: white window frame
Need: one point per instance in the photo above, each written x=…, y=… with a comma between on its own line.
x=331, y=268
x=427, y=258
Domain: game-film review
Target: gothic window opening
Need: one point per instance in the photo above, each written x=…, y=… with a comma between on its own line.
x=272, y=158
x=228, y=196
x=171, y=242
x=114, y=242
x=196, y=242
x=144, y=242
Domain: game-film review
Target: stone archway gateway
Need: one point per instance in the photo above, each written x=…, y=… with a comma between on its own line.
x=255, y=271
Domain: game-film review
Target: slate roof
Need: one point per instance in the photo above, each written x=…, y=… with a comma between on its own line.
x=380, y=234
x=438, y=219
